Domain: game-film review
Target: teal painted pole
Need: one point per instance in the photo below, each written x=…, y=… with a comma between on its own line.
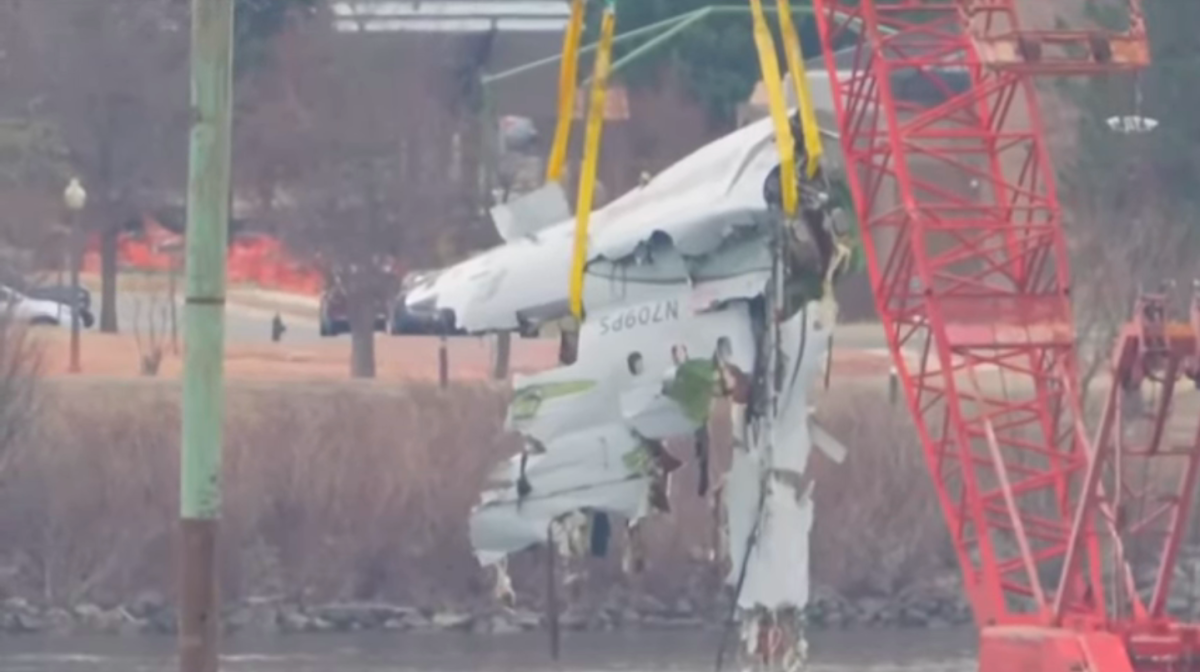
x=204, y=330
x=655, y=42
x=551, y=60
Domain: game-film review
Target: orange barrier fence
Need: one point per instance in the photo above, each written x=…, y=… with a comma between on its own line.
x=254, y=259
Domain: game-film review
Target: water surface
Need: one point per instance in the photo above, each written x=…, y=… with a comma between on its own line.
x=860, y=651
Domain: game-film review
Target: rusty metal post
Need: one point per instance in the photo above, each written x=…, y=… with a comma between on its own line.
x=443, y=362
x=172, y=293
x=503, y=355
x=1195, y=318
x=204, y=330
x=829, y=361
x=75, y=366
x=552, y=594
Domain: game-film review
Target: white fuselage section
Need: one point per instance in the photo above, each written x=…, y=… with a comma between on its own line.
x=696, y=204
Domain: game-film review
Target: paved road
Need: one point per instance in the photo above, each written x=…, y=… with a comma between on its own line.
x=860, y=336
x=252, y=323
x=243, y=324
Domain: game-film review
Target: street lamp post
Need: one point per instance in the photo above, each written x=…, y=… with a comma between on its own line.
x=74, y=197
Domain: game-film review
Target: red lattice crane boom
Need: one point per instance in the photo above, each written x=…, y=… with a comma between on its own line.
x=972, y=286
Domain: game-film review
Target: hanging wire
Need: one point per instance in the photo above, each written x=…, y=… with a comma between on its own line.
x=1138, y=96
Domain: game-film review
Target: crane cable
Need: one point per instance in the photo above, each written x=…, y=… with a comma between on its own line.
x=567, y=75
x=591, y=157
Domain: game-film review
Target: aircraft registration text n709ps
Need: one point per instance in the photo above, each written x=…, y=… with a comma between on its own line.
x=625, y=320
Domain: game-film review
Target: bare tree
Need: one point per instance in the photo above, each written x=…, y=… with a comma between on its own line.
x=1112, y=264
x=1123, y=240
x=361, y=141
x=20, y=391
x=33, y=167
x=109, y=79
x=151, y=330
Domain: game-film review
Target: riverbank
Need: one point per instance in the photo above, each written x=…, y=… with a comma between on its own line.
x=933, y=606
x=344, y=495
x=879, y=650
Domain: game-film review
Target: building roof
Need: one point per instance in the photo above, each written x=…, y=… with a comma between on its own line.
x=452, y=16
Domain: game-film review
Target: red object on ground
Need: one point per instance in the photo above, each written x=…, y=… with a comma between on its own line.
x=254, y=258
x=1045, y=521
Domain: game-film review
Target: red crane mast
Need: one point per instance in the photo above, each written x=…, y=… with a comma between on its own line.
x=1051, y=525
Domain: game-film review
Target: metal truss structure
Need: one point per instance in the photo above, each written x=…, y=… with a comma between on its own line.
x=1050, y=524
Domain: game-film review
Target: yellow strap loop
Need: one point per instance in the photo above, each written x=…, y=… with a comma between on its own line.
x=567, y=75
x=795, y=60
x=591, y=158
x=769, y=64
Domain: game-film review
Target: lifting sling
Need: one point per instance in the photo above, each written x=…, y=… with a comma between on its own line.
x=769, y=64
x=804, y=101
x=772, y=80
x=591, y=157
x=568, y=73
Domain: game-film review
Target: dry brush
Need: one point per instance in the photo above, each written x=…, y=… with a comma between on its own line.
x=362, y=492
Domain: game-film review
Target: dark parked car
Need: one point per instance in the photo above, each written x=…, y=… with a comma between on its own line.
x=334, y=314
x=407, y=322
x=421, y=320
x=404, y=322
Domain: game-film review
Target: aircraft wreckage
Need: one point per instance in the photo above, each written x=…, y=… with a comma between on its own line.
x=683, y=277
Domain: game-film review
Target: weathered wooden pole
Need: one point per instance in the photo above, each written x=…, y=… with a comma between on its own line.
x=552, y=594
x=204, y=330
x=443, y=362
x=503, y=355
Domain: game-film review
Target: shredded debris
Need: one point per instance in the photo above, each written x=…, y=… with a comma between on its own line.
x=697, y=289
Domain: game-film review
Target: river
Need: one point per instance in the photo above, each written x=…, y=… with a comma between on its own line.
x=859, y=651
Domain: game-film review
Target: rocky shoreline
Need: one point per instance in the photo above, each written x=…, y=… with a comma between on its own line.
x=152, y=615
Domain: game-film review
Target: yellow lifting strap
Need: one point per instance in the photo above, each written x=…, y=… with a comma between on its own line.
x=812, y=143
x=568, y=73
x=795, y=61
x=591, y=158
x=769, y=64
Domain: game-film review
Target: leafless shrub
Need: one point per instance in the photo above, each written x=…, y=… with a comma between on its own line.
x=310, y=504
x=152, y=327
x=107, y=81
x=20, y=364
x=878, y=526
x=367, y=156
x=1126, y=232
x=1114, y=261
x=348, y=491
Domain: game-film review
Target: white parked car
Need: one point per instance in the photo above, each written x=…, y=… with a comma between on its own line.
x=26, y=310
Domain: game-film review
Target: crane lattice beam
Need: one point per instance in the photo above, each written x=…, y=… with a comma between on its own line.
x=962, y=229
